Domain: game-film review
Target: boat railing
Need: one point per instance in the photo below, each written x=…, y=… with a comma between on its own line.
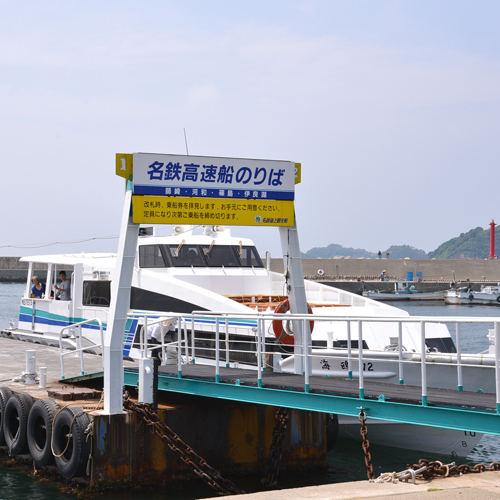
x=76, y=330
x=148, y=321
x=192, y=329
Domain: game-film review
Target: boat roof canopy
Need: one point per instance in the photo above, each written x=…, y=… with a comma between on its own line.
x=91, y=259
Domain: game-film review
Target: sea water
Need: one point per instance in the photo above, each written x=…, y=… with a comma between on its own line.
x=345, y=460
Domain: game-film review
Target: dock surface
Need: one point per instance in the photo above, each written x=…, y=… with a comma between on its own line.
x=13, y=364
x=483, y=486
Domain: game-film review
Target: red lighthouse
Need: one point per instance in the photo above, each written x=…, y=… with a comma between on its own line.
x=492, y=240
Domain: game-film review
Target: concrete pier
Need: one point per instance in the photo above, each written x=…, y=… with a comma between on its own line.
x=482, y=486
x=235, y=438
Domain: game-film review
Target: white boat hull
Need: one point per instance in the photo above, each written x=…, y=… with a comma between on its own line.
x=472, y=298
x=402, y=296
x=429, y=440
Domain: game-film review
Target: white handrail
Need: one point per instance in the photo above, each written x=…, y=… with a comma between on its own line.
x=261, y=320
x=361, y=368
x=80, y=349
x=400, y=352
x=423, y=352
x=497, y=363
x=460, y=384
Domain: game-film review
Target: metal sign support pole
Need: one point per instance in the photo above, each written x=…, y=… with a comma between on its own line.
x=120, y=301
x=296, y=290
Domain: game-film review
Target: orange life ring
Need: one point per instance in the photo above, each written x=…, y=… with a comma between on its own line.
x=278, y=328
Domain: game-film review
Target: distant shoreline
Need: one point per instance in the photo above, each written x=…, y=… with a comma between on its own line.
x=337, y=269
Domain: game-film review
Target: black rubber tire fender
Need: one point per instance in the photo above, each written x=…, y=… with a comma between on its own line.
x=40, y=431
x=71, y=457
x=5, y=394
x=16, y=423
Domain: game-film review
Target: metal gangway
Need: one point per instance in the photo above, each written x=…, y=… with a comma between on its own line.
x=208, y=356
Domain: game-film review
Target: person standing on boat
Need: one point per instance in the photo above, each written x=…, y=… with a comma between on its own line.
x=154, y=334
x=62, y=292
x=38, y=289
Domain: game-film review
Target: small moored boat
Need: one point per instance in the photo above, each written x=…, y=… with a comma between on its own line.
x=487, y=295
x=403, y=291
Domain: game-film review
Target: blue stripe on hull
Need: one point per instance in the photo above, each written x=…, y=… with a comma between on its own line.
x=61, y=323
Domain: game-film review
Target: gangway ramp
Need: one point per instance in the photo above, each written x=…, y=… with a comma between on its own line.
x=446, y=408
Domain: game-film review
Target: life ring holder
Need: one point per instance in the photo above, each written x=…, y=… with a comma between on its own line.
x=278, y=328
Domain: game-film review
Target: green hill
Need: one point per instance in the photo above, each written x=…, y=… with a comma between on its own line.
x=334, y=250
x=472, y=245
x=403, y=251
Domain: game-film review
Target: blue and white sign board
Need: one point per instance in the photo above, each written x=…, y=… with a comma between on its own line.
x=210, y=177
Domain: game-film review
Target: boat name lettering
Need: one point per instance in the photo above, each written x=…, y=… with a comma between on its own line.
x=325, y=365
x=367, y=367
x=27, y=302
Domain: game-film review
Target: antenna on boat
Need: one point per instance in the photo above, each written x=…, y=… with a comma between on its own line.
x=186, y=141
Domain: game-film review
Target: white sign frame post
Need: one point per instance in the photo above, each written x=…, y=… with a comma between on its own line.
x=120, y=302
x=127, y=248
x=294, y=277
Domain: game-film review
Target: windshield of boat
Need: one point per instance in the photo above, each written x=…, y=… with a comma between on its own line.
x=198, y=256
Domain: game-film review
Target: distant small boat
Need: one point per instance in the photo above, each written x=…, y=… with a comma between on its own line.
x=488, y=295
x=402, y=291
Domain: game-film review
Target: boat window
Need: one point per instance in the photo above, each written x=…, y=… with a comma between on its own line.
x=220, y=255
x=250, y=257
x=96, y=293
x=151, y=256
x=198, y=256
x=187, y=256
x=444, y=344
x=339, y=344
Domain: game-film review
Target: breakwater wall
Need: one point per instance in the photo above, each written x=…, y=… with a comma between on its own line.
x=370, y=269
x=11, y=269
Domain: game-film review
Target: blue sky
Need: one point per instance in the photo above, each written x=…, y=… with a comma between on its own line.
x=391, y=107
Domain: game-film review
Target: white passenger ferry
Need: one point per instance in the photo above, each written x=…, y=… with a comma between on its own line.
x=217, y=272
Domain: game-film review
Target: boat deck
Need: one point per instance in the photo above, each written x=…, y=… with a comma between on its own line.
x=262, y=303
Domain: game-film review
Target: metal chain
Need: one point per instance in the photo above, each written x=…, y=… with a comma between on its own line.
x=366, y=444
x=436, y=469
x=197, y=464
x=424, y=468
x=276, y=450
